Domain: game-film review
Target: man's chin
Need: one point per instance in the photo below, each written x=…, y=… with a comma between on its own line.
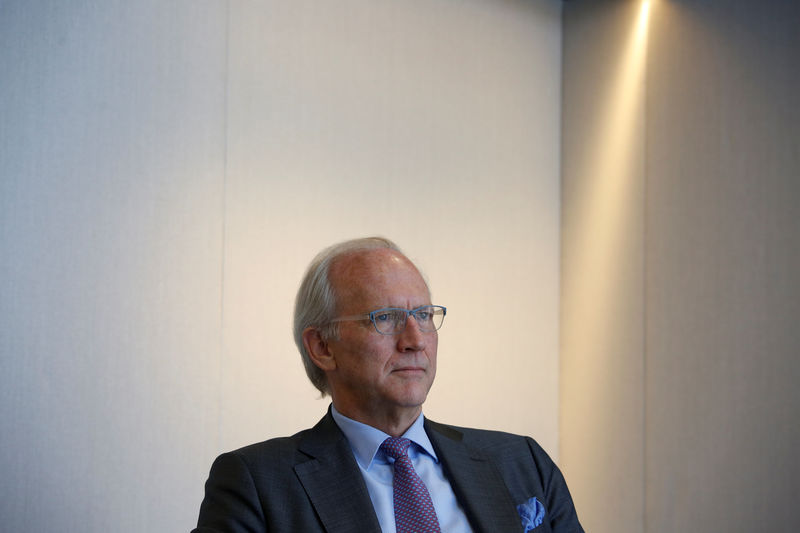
x=413, y=396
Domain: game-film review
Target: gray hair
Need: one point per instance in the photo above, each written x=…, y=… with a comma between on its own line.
x=315, y=304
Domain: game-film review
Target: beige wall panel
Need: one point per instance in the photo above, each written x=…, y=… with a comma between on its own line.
x=718, y=374
x=723, y=256
x=111, y=165
x=435, y=124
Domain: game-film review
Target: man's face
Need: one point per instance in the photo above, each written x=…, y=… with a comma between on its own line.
x=378, y=375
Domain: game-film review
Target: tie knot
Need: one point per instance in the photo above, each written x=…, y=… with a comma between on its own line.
x=396, y=447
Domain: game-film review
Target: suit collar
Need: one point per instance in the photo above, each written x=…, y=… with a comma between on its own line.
x=476, y=482
x=366, y=440
x=333, y=482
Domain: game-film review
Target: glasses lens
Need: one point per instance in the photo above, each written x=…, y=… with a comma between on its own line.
x=392, y=321
x=429, y=318
x=389, y=321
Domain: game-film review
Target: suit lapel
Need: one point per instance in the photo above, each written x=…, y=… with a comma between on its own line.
x=333, y=482
x=476, y=482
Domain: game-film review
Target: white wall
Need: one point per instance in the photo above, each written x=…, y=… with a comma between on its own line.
x=168, y=170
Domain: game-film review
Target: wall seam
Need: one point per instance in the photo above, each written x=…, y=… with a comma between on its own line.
x=224, y=213
x=560, y=259
x=645, y=269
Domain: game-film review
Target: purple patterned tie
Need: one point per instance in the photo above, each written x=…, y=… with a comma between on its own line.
x=413, y=508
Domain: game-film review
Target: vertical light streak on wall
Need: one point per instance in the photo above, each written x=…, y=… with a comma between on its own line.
x=607, y=182
x=611, y=166
x=602, y=361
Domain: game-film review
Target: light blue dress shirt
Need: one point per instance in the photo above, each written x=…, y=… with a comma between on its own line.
x=376, y=468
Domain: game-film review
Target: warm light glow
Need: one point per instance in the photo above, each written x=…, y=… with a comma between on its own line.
x=616, y=157
x=605, y=236
x=644, y=17
x=602, y=316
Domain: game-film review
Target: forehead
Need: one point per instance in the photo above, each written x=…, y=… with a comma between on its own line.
x=376, y=277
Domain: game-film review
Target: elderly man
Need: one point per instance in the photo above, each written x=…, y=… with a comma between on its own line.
x=367, y=330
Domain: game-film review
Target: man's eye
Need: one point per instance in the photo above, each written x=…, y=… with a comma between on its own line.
x=383, y=317
x=424, y=315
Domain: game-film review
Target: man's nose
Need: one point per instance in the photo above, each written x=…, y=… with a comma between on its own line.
x=411, y=339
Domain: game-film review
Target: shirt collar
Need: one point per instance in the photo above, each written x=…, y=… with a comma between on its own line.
x=365, y=440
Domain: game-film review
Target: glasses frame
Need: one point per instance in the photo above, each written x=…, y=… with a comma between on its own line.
x=409, y=312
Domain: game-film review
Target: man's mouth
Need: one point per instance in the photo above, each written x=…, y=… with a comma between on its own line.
x=409, y=369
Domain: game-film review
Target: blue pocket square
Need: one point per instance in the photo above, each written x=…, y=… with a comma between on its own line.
x=531, y=512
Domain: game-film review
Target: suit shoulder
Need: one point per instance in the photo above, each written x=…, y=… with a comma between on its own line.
x=492, y=441
x=276, y=450
x=293, y=449
x=474, y=435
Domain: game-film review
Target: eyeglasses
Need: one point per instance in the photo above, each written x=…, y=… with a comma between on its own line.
x=392, y=320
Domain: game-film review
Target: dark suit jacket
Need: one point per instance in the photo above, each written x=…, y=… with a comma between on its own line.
x=310, y=482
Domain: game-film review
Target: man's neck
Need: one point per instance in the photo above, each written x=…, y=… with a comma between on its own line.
x=394, y=423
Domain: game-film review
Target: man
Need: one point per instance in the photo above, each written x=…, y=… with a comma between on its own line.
x=367, y=332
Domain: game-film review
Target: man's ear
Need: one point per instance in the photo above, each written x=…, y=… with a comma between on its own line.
x=317, y=349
